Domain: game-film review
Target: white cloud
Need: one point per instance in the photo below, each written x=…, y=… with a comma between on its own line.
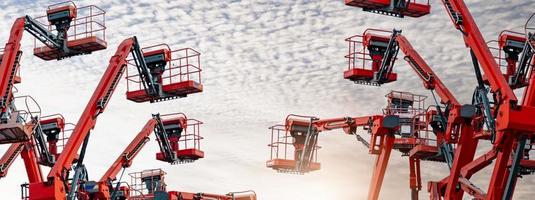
x=262, y=60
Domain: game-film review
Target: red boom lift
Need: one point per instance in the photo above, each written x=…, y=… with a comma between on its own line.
x=454, y=122
x=150, y=68
x=179, y=141
x=301, y=132
x=509, y=122
x=69, y=31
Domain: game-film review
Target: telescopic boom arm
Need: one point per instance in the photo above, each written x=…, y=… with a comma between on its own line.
x=56, y=186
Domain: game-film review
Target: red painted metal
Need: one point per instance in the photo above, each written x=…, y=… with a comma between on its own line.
x=385, y=148
x=124, y=160
x=363, y=63
x=102, y=190
x=415, y=180
x=456, y=124
x=31, y=162
x=150, y=185
x=512, y=119
x=180, y=77
x=86, y=33
x=414, y=8
x=12, y=131
x=284, y=152
x=187, y=147
x=54, y=188
x=9, y=157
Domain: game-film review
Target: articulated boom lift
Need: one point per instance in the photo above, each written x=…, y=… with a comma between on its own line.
x=150, y=185
x=56, y=186
x=302, y=133
x=510, y=119
x=59, y=44
x=406, y=126
x=171, y=74
x=177, y=129
x=449, y=125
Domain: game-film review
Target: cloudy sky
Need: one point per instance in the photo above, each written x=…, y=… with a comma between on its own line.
x=262, y=60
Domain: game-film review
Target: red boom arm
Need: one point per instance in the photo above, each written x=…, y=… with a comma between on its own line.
x=7, y=159
x=96, y=105
x=125, y=159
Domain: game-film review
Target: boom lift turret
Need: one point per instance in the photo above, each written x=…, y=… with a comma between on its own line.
x=150, y=185
x=58, y=45
x=185, y=132
x=57, y=184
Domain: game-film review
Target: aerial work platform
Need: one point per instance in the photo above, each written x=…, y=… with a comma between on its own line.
x=184, y=137
x=368, y=62
x=426, y=152
x=14, y=131
x=15, y=125
x=397, y=8
x=288, y=166
x=285, y=153
x=178, y=73
x=83, y=30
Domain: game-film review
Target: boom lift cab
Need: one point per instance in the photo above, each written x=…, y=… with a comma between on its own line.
x=70, y=31
x=371, y=57
x=176, y=73
x=397, y=8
